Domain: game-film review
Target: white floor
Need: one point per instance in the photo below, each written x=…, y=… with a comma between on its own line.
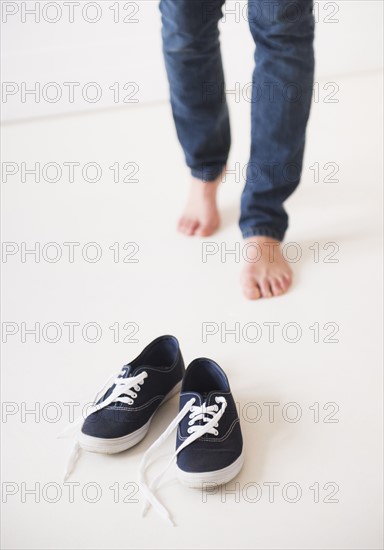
x=330, y=457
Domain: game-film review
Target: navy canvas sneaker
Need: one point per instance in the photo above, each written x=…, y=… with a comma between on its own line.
x=123, y=410
x=209, y=444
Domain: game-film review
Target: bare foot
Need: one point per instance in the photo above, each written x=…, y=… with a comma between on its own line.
x=266, y=273
x=201, y=216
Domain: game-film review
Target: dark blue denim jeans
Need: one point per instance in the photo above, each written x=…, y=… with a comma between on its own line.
x=283, y=31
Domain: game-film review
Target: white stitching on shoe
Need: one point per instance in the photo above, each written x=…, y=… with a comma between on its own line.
x=123, y=388
x=209, y=426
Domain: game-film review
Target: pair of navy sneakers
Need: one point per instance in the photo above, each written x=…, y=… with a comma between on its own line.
x=209, y=444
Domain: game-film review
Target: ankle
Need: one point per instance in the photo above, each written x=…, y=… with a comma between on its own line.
x=263, y=240
x=206, y=188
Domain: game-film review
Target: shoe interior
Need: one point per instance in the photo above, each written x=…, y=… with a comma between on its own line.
x=203, y=376
x=161, y=353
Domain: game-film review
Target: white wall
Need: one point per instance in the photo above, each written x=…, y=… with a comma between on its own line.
x=107, y=52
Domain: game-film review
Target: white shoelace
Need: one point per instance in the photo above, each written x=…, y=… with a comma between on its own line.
x=210, y=415
x=122, y=392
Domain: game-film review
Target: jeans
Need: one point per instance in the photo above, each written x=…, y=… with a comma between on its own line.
x=281, y=95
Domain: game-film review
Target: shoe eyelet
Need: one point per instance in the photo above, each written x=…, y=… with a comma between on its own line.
x=131, y=402
x=189, y=431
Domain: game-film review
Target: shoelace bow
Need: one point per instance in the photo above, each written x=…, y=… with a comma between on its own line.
x=210, y=423
x=122, y=392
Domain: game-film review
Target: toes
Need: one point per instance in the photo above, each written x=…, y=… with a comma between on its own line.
x=187, y=226
x=276, y=287
x=265, y=288
x=183, y=226
x=191, y=227
x=249, y=286
x=180, y=225
x=285, y=281
x=204, y=231
x=252, y=293
x=251, y=290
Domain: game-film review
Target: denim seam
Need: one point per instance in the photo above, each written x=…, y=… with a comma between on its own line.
x=262, y=231
x=214, y=172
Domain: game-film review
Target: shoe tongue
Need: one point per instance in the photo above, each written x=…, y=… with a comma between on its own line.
x=206, y=397
x=210, y=397
x=129, y=370
x=126, y=371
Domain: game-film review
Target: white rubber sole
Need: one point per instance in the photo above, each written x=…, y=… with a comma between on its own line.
x=119, y=444
x=217, y=477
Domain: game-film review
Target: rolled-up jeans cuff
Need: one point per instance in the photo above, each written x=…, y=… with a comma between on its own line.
x=207, y=173
x=263, y=232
